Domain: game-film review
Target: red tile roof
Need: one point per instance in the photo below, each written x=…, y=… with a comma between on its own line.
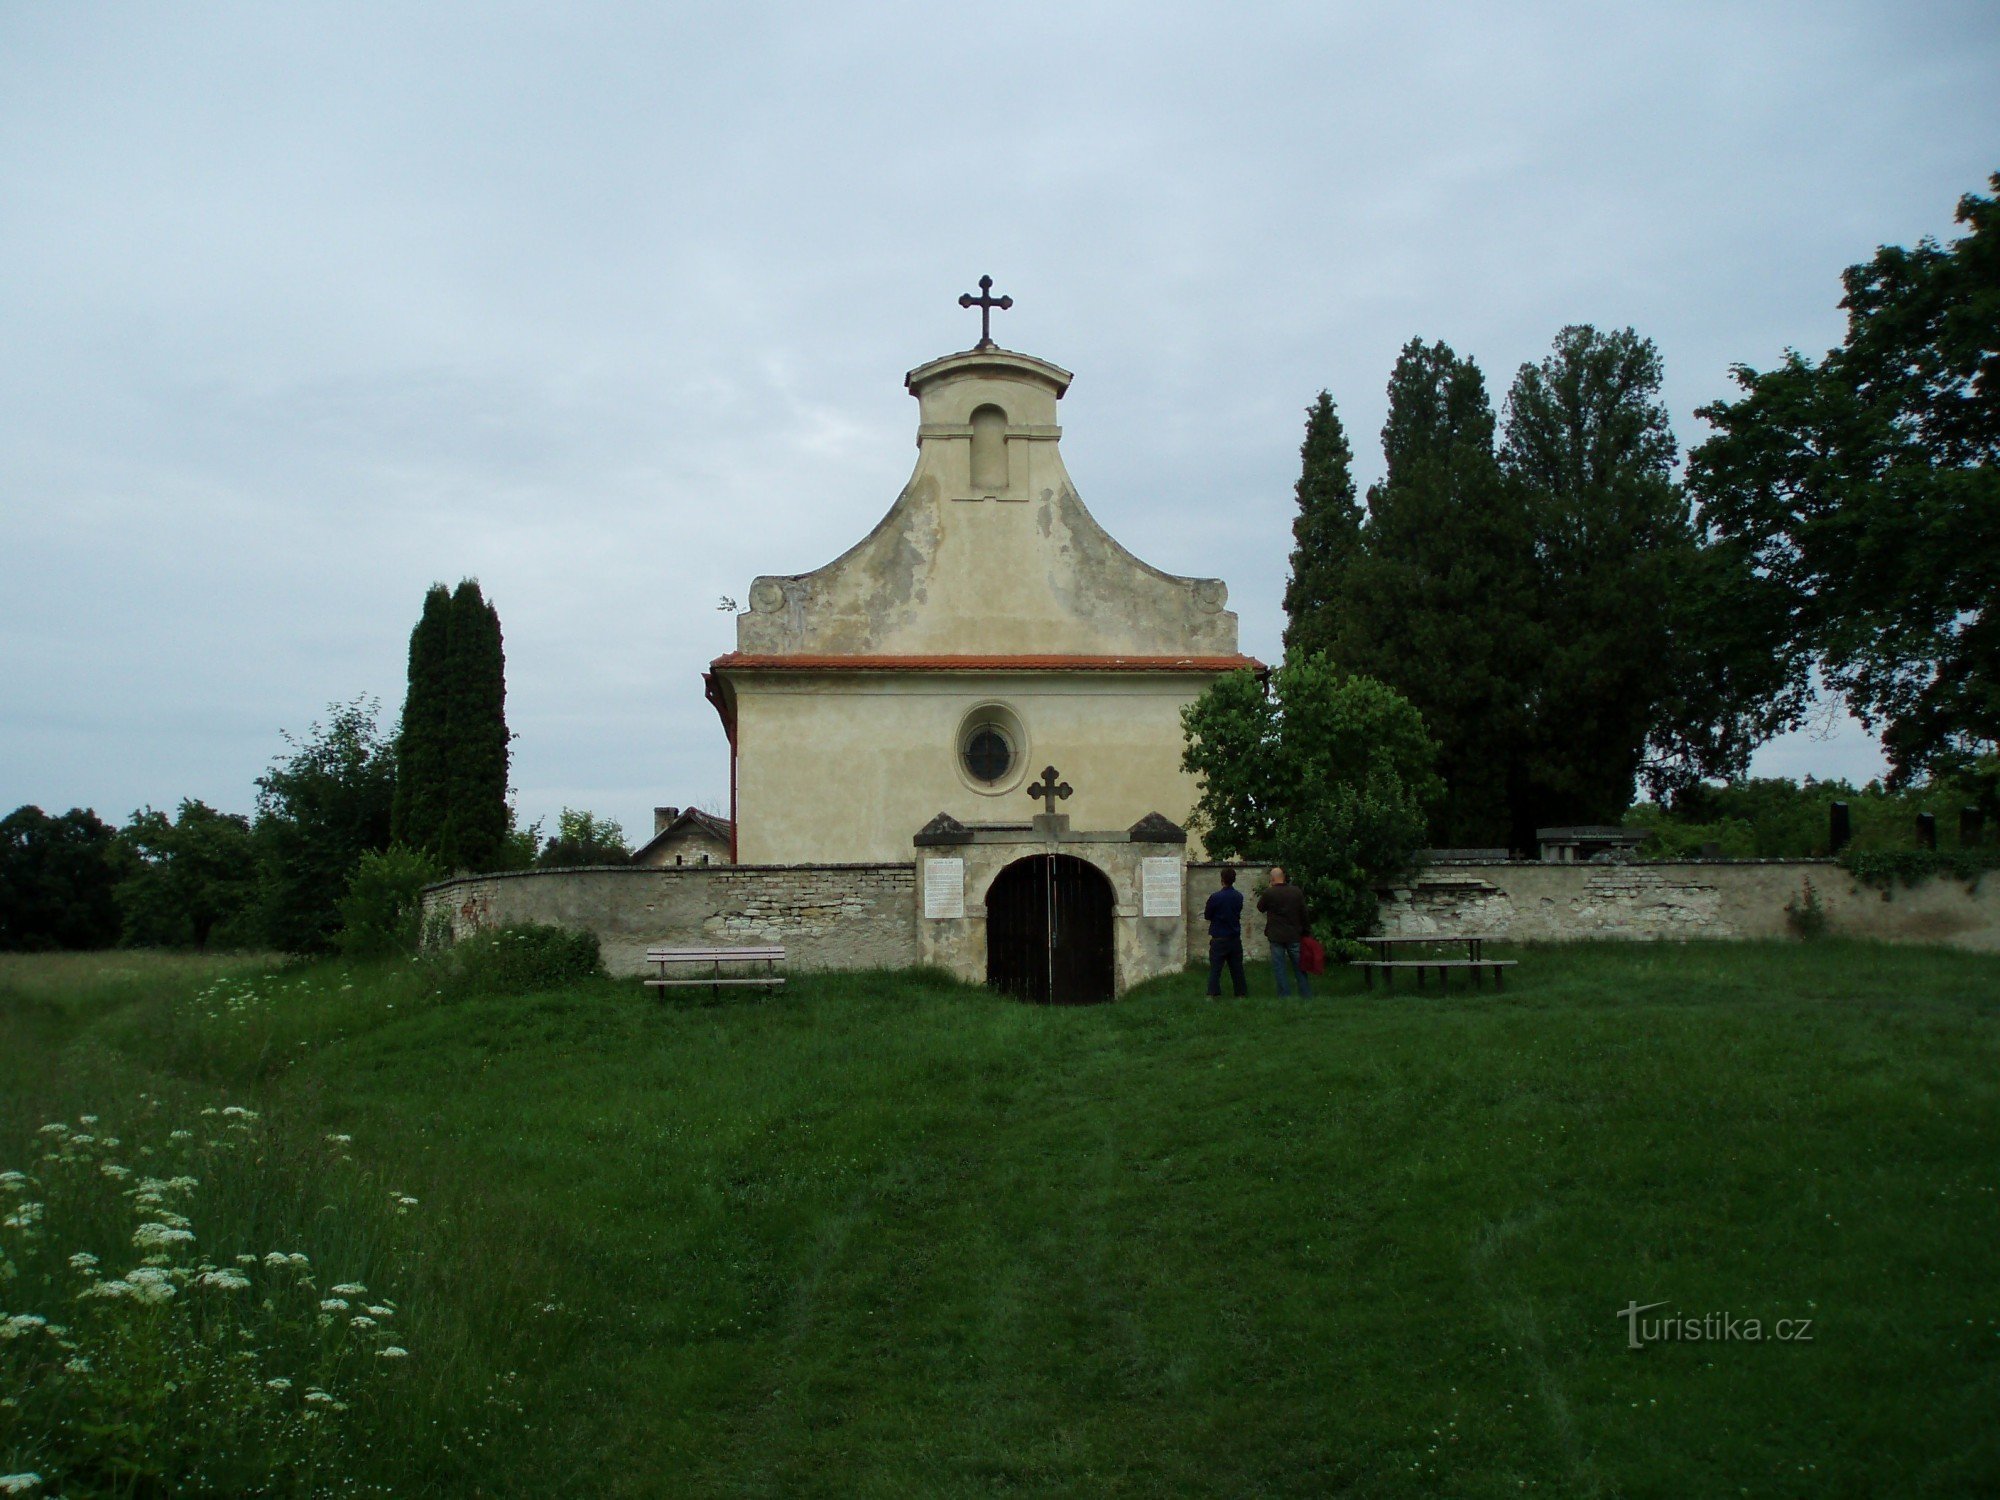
x=741, y=661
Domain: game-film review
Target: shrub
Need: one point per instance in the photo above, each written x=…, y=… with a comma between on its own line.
x=1804, y=914
x=382, y=912
x=520, y=959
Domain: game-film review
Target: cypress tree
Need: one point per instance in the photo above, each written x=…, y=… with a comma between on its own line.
x=476, y=821
x=1441, y=597
x=1325, y=533
x=423, y=745
x=1589, y=445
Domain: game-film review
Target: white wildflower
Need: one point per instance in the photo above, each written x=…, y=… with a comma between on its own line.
x=393, y=1351
x=150, y=1284
x=54, y=1127
x=77, y=1364
x=183, y=1184
x=275, y=1258
x=83, y=1260
x=238, y=1112
x=246, y=1260
x=406, y=1202
x=298, y=1260
x=277, y=1383
x=25, y=1216
x=341, y=1140
x=209, y=1111
x=229, y=1281
x=180, y=1135
x=159, y=1236
x=83, y=1140
x=112, y=1289
x=361, y=1320
x=87, y=1119
x=112, y=1169
x=21, y=1325
x=19, y=1484
x=333, y=1304
x=382, y=1312
x=14, y=1182
x=350, y=1289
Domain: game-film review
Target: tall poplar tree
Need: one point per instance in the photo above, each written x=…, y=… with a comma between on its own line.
x=423, y=744
x=1441, y=600
x=476, y=819
x=1325, y=534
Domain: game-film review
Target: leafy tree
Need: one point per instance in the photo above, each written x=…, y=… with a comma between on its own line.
x=423, y=743
x=57, y=877
x=1867, y=488
x=1326, y=533
x=582, y=839
x=187, y=880
x=476, y=820
x=1328, y=775
x=1442, y=599
x=319, y=809
x=1588, y=443
x=382, y=913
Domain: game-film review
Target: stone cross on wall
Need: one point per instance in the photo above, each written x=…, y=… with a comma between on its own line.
x=1050, y=790
x=986, y=302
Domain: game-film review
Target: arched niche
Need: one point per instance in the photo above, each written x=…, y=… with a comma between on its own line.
x=989, y=450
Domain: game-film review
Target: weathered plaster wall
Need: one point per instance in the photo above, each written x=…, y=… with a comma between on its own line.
x=1696, y=899
x=851, y=768
x=964, y=568
x=828, y=916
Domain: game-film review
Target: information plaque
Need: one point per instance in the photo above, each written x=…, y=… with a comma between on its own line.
x=1160, y=887
x=944, y=888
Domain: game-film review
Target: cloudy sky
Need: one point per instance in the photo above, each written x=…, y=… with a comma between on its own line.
x=303, y=307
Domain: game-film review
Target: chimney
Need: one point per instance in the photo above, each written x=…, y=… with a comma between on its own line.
x=663, y=819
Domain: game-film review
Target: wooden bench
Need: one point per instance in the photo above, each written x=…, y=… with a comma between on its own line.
x=715, y=958
x=1472, y=966
x=1475, y=964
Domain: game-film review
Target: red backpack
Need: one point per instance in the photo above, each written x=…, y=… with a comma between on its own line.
x=1312, y=957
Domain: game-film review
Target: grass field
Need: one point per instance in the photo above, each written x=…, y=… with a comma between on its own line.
x=888, y=1236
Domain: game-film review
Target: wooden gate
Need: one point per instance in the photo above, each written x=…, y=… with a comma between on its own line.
x=1048, y=931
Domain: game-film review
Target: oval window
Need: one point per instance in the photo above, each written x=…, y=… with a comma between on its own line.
x=989, y=753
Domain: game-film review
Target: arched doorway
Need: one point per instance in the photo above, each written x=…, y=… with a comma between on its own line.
x=1048, y=931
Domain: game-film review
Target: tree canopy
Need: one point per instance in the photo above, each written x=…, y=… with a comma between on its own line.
x=57, y=877
x=319, y=809
x=581, y=838
x=1865, y=488
x=1328, y=775
x=187, y=880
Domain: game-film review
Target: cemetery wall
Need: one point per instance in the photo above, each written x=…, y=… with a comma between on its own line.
x=827, y=916
x=851, y=916
x=1537, y=902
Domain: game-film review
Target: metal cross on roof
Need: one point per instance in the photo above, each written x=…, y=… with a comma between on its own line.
x=986, y=302
x=1050, y=790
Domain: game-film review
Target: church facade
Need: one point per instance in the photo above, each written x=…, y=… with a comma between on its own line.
x=987, y=630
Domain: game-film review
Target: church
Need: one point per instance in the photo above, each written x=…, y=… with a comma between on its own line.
x=957, y=744
x=986, y=630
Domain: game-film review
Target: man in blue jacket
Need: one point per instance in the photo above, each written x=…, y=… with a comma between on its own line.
x=1224, y=914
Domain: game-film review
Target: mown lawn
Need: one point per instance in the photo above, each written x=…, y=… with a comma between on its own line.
x=885, y=1235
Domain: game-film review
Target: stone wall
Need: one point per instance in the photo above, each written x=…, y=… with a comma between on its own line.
x=1692, y=899
x=828, y=916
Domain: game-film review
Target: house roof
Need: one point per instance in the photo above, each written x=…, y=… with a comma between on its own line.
x=692, y=817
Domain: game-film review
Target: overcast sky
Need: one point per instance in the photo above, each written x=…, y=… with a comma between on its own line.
x=303, y=307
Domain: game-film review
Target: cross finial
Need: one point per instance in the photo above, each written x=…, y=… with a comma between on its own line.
x=986, y=302
x=1050, y=789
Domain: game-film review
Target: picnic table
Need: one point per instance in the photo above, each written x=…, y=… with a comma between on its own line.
x=1474, y=963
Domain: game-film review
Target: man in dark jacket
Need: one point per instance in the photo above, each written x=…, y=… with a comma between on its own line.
x=1224, y=915
x=1284, y=909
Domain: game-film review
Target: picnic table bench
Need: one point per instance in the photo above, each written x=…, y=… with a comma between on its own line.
x=770, y=956
x=1474, y=963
